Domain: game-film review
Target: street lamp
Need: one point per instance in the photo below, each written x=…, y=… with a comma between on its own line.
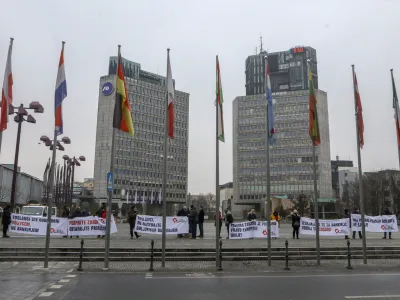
x=21, y=116
x=72, y=162
x=49, y=143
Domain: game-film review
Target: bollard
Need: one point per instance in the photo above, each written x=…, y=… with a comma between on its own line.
x=287, y=256
x=81, y=257
x=348, y=256
x=151, y=256
x=220, y=256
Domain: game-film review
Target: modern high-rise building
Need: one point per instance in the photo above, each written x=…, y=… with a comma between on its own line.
x=138, y=160
x=288, y=70
x=291, y=160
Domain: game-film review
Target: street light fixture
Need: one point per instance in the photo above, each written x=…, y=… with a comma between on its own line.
x=72, y=162
x=21, y=113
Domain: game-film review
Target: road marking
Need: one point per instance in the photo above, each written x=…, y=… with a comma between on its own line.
x=149, y=275
x=70, y=276
x=56, y=286
x=274, y=276
x=15, y=263
x=64, y=280
x=372, y=297
x=46, y=294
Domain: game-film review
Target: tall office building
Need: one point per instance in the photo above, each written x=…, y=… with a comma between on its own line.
x=138, y=161
x=291, y=160
x=288, y=70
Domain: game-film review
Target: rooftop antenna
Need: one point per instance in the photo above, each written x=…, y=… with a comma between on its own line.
x=261, y=44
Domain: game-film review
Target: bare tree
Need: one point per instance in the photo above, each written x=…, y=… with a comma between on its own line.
x=302, y=204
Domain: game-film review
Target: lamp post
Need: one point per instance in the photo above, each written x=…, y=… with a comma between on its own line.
x=21, y=113
x=72, y=162
x=53, y=145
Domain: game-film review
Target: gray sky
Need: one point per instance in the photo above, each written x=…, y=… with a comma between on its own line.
x=360, y=32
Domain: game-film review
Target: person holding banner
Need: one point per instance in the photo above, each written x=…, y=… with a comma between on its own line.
x=6, y=220
x=228, y=221
x=295, y=224
x=357, y=212
x=132, y=214
x=387, y=213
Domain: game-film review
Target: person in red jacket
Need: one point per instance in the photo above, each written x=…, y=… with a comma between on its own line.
x=102, y=213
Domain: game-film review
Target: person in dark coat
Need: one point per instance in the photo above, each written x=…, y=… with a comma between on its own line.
x=201, y=221
x=183, y=212
x=295, y=224
x=6, y=220
x=347, y=215
x=132, y=214
x=220, y=222
x=228, y=221
x=387, y=212
x=356, y=211
x=252, y=215
x=193, y=220
x=76, y=214
x=100, y=213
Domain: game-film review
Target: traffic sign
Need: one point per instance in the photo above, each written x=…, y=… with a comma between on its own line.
x=110, y=181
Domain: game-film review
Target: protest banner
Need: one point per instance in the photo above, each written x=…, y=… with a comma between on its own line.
x=252, y=229
x=153, y=225
x=375, y=224
x=35, y=225
x=89, y=226
x=339, y=227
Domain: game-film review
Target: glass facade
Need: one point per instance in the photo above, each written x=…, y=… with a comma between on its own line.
x=138, y=161
x=291, y=166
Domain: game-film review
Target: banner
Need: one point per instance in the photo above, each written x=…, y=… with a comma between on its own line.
x=375, y=224
x=153, y=225
x=89, y=226
x=252, y=229
x=35, y=225
x=340, y=227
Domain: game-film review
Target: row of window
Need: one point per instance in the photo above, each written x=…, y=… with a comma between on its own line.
x=180, y=104
x=148, y=174
x=148, y=165
x=179, y=158
x=275, y=151
x=160, y=128
x=278, y=169
x=147, y=196
x=274, y=178
x=140, y=185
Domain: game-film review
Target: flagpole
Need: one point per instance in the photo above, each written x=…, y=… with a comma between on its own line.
x=268, y=170
x=360, y=175
x=397, y=113
x=217, y=195
x=316, y=213
x=110, y=191
x=164, y=185
x=8, y=57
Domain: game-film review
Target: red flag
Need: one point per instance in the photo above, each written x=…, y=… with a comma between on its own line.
x=171, y=97
x=6, y=91
x=360, y=121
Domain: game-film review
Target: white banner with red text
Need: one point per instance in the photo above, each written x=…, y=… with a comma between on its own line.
x=35, y=225
x=375, y=224
x=339, y=227
x=252, y=229
x=89, y=226
x=153, y=225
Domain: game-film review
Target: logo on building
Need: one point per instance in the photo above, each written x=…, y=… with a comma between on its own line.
x=107, y=89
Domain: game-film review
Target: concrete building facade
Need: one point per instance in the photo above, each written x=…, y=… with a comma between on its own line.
x=138, y=161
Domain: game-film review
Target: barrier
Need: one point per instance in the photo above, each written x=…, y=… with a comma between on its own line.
x=348, y=256
x=151, y=269
x=220, y=256
x=81, y=257
x=287, y=256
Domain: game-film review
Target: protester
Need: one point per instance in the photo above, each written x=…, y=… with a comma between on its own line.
x=347, y=215
x=132, y=214
x=65, y=214
x=276, y=217
x=201, y=222
x=252, y=215
x=387, y=212
x=102, y=213
x=193, y=220
x=183, y=212
x=6, y=220
x=220, y=222
x=228, y=221
x=356, y=211
x=295, y=224
x=85, y=213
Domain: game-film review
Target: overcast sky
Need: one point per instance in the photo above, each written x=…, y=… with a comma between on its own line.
x=360, y=32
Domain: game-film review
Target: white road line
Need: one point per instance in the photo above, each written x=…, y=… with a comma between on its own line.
x=15, y=263
x=56, y=286
x=70, y=276
x=372, y=297
x=46, y=294
x=64, y=280
x=149, y=275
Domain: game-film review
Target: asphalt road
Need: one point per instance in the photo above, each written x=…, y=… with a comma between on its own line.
x=210, y=286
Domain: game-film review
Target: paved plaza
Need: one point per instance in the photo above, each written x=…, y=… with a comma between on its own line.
x=121, y=239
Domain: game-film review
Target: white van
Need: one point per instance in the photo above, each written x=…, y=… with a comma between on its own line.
x=38, y=210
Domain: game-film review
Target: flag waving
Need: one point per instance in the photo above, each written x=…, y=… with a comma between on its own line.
x=60, y=94
x=171, y=97
x=122, y=111
x=220, y=100
x=6, y=92
x=359, y=111
x=313, y=127
x=396, y=110
x=271, y=123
